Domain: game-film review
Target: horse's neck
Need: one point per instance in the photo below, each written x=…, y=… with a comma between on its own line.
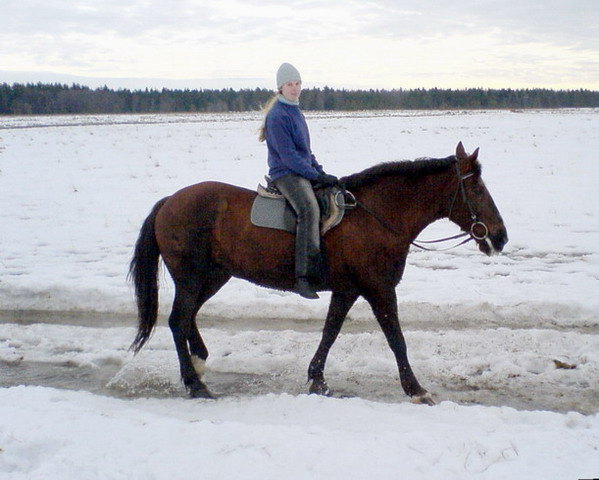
x=411, y=204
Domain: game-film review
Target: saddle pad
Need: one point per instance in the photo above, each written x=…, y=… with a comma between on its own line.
x=273, y=213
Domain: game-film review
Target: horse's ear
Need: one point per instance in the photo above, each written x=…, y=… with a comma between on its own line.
x=460, y=152
x=474, y=155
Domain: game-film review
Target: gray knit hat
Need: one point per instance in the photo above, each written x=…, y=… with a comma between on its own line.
x=287, y=73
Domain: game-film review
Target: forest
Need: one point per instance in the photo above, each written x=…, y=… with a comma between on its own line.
x=40, y=98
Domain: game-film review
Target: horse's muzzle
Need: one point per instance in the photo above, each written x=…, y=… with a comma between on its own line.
x=493, y=243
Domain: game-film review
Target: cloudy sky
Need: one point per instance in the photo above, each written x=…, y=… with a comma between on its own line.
x=340, y=43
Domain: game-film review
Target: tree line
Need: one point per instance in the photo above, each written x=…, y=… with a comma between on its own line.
x=39, y=98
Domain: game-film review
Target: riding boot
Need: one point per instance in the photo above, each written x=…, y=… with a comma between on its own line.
x=299, y=193
x=303, y=287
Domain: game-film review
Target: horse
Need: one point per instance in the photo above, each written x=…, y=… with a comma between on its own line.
x=204, y=235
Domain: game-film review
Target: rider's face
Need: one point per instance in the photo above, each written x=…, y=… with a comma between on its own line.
x=291, y=90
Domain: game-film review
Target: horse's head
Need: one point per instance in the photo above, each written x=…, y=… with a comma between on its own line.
x=473, y=208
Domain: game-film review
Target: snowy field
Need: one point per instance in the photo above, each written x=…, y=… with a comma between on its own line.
x=508, y=345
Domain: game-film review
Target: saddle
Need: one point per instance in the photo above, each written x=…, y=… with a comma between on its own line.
x=271, y=210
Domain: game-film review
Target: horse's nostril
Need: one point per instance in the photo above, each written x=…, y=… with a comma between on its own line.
x=499, y=242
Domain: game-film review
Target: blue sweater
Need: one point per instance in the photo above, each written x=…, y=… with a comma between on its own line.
x=288, y=141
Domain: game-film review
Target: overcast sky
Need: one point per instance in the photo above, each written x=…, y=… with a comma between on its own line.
x=340, y=43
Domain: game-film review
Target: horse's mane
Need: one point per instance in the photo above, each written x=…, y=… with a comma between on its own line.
x=406, y=168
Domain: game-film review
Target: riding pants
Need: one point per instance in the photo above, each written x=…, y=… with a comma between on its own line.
x=299, y=193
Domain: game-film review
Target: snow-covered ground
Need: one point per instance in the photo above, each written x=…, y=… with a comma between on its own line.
x=483, y=332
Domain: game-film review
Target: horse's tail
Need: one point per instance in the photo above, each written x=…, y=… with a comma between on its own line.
x=143, y=270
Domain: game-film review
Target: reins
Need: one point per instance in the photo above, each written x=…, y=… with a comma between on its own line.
x=476, y=223
x=389, y=227
x=446, y=239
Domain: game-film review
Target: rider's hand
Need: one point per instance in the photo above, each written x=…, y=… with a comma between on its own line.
x=327, y=180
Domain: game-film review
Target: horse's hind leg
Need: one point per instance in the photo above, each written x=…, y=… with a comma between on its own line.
x=182, y=314
x=191, y=350
x=197, y=348
x=341, y=302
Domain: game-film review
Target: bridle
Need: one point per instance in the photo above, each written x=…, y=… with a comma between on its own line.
x=477, y=224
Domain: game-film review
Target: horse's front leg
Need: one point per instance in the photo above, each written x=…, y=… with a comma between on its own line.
x=384, y=306
x=340, y=304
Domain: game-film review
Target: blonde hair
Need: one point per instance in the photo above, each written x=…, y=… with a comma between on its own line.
x=265, y=109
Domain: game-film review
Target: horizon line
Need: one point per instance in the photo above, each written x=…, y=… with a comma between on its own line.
x=228, y=83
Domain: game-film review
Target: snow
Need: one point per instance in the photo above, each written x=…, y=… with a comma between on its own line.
x=482, y=332
x=281, y=436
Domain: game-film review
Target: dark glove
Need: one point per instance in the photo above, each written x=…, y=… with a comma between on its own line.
x=327, y=180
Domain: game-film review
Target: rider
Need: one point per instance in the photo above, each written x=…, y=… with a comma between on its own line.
x=293, y=169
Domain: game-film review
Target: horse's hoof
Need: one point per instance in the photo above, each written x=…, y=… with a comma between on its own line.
x=201, y=392
x=425, y=399
x=320, y=387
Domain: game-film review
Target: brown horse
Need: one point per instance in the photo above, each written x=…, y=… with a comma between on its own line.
x=204, y=235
